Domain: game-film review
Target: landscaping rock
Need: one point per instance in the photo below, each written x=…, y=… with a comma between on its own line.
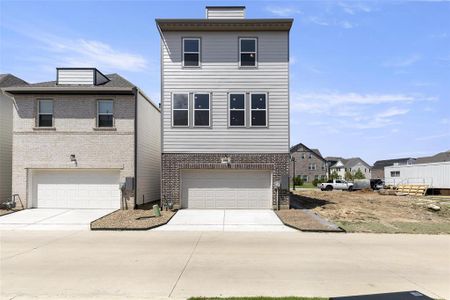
x=433, y=207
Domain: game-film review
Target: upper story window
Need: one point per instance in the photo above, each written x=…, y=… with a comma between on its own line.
x=303, y=155
x=312, y=167
x=180, y=110
x=309, y=155
x=395, y=173
x=201, y=110
x=45, y=113
x=247, y=52
x=191, y=52
x=105, y=113
x=258, y=110
x=237, y=110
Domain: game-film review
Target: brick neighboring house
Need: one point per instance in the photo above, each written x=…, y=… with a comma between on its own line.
x=341, y=165
x=76, y=140
x=309, y=163
x=6, y=110
x=225, y=110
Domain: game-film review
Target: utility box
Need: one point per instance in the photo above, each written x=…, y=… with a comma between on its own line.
x=129, y=184
x=284, y=184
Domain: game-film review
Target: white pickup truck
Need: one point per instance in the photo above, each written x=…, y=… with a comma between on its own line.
x=337, y=184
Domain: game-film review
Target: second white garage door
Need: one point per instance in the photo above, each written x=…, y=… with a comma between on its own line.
x=76, y=189
x=226, y=189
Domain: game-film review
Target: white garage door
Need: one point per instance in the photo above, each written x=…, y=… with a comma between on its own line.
x=226, y=189
x=76, y=189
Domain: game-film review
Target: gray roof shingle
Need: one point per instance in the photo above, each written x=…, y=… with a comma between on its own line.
x=7, y=80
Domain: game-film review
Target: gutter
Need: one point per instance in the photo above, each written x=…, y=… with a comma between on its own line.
x=135, y=91
x=69, y=90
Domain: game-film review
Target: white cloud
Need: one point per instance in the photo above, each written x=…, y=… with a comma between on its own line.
x=403, y=61
x=330, y=22
x=392, y=112
x=353, y=8
x=283, y=11
x=433, y=137
x=82, y=52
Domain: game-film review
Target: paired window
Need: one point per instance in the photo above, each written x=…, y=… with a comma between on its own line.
x=191, y=52
x=201, y=110
x=105, y=113
x=303, y=155
x=180, y=110
x=237, y=110
x=258, y=110
x=45, y=113
x=312, y=167
x=395, y=173
x=247, y=52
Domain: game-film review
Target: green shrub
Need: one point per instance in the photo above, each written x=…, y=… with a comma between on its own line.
x=298, y=180
x=359, y=175
x=318, y=181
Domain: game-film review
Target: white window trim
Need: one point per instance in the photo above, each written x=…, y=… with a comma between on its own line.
x=202, y=109
x=237, y=109
x=174, y=109
x=199, y=52
x=246, y=52
x=98, y=113
x=39, y=113
x=251, y=110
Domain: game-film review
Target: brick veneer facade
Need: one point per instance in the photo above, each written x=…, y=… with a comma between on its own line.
x=173, y=163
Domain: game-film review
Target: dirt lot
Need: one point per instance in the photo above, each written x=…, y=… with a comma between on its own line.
x=367, y=211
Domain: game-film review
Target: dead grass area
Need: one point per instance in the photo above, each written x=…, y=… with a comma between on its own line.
x=303, y=221
x=136, y=219
x=367, y=211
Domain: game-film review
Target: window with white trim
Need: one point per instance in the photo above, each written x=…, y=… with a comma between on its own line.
x=312, y=167
x=105, y=113
x=395, y=173
x=180, y=110
x=236, y=113
x=201, y=110
x=258, y=110
x=247, y=52
x=191, y=52
x=45, y=113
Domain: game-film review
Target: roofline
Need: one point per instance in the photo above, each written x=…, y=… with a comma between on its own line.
x=224, y=6
x=225, y=24
x=68, y=90
x=82, y=68
x=319, y=156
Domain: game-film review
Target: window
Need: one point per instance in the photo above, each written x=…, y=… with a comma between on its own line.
x=247, y=52
x=201, y=110
x=259, y=109
x=237, y=110
x=45, y=113
x=312, y=166
x=309, y=155
x=105, y=115
x=316, y=177
x=305, y=178
x=324, y=166
x=191, y=52
x=395, y=173
x=180, y=110
x=303, y=155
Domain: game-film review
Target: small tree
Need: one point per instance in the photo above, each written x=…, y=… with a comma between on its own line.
x=359, y=175
x=348, y=176
x=317, y=181
x=298, y=180
x=334, y=175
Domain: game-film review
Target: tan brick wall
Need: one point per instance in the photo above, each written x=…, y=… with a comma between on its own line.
x=302, y=164
x=74, y=120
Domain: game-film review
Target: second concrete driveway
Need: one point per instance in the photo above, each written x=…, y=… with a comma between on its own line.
x=52, y=219
x=225, y=220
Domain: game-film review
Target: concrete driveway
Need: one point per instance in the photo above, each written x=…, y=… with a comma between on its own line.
x=177, y=265
x=225, y=220
x=51, y=219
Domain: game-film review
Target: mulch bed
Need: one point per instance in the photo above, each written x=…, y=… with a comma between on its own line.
x=132, y=219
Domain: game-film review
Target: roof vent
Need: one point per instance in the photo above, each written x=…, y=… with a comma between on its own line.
x=225, y=12
x=80, y=76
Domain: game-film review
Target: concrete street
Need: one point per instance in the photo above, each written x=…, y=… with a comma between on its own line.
x=161, y=265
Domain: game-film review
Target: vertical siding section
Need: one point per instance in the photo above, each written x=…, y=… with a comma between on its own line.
x=148, y=151
x=75, y=76
x=6, y=110
x=220, y=74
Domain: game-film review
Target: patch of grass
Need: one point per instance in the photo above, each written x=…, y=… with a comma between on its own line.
x=396, y=227
x=306, y=185
x=257, y=298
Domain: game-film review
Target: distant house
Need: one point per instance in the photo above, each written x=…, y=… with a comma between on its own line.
x=341, y=165
x=379, y=165
x=307, y=163
x=6, y=112
x=440, y=157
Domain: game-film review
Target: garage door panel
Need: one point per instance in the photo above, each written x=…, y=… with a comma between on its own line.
x=76, y=189
x=226, y=189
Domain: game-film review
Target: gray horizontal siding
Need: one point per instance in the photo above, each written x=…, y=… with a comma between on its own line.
x=223, y=13
x=220, y=74
x=68, y=76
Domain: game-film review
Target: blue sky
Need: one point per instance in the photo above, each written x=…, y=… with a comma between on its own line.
x=368, y=79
